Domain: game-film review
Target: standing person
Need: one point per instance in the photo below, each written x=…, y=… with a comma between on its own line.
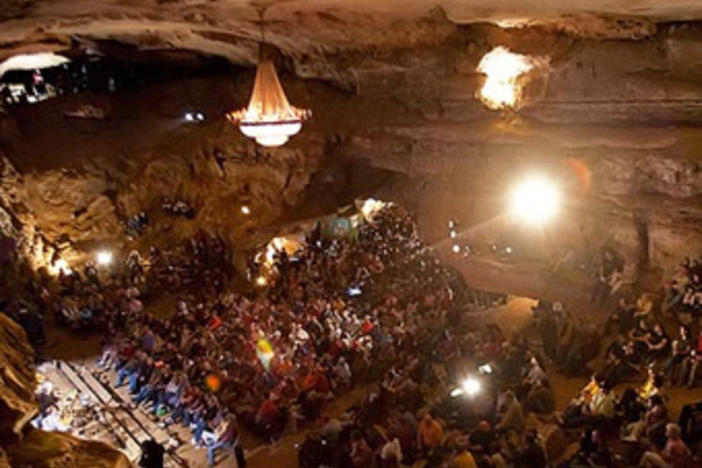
x=151, y=454
x=226, y=435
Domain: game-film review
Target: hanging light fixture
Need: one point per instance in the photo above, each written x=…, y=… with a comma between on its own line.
x=269, y=117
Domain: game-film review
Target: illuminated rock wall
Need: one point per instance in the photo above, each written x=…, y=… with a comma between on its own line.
x=21, y=446
x=398, y=118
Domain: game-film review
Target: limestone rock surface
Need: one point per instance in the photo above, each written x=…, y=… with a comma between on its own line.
x=22, y=446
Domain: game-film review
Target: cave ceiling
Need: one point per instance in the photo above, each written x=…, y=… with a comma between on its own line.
x=309, y=28
x=392, y=84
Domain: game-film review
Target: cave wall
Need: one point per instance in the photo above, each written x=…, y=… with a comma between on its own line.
x=71, y=183
x=22, y=446
x=614, y=117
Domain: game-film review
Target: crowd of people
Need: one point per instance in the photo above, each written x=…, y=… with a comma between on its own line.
x=379, y=310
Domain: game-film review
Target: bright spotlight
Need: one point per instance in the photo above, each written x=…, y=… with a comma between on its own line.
x=261, y=281
x=485, y=369
x=456, y=248
x=535, y=200
x=245, y=210
x=61, y=265
x=200, y=116
x=104, y=257
x=453, y=234
x=470, y=386
x=189, y=117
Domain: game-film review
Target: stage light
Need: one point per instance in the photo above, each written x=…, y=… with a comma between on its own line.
x=245, y=210
x=61, y=265
x=470, y=386
x=456, y=248
x=535, y=200
x=453, y=234
x=261, y=281
x=508, y=250
x=104, y=257
x=503, y=69
x=485, y=369
x=200, y=116
x=189, y=117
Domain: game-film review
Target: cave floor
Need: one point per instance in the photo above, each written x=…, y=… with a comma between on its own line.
x=514, y=317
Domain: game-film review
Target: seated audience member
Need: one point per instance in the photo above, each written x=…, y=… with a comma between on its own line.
x=601, y=408
x=512, y=418
x=652, y=422
x=674, y=454
x=532, y=454
x=658, y=343
x=594, y=451
x=675, y=291
x=644, y=307
x=680, y=351
x=622, y=318
x=540, y=398
x=692, y=363
x=430, y=433
x=609, y=263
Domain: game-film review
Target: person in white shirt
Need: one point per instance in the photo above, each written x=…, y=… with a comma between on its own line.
x=52, y=421
x=392, y=451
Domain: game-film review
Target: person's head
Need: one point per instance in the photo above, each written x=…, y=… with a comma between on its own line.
x=657, y=328
x=531, y=436
x=683, y=331
x=484, y=426
x=672, y=431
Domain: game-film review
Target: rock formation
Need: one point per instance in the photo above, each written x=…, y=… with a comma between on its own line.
x=614, y=115
x=17, y=380
x=21, y=446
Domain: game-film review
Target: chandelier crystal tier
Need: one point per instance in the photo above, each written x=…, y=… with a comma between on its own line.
x=269, y=118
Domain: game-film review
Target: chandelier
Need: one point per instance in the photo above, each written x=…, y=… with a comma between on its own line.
x=269, y=117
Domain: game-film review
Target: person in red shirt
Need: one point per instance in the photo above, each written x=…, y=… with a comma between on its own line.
x=322, y=383
x=367, y=327
x=268, y=410
x=214, y=322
